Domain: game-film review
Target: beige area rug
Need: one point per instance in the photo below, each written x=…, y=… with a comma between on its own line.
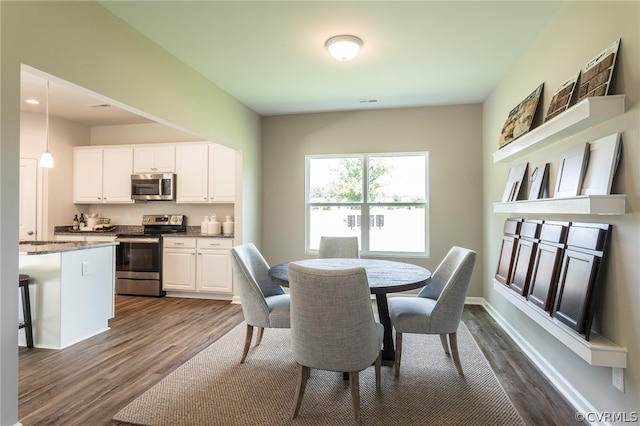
x=214, y=389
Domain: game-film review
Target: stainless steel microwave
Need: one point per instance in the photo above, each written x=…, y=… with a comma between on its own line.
x=153, y=186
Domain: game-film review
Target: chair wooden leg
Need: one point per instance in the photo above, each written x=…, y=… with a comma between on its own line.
x=303, y=372
x=378, y=364
x=445, y=344
x=453, y=342
x=247, y=343
x=396, y=364
x=259, y=337
x=354, y=378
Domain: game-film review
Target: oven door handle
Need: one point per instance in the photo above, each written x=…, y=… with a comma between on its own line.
x=138, y=240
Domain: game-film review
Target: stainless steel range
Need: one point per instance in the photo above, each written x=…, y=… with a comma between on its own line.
x=139, y=255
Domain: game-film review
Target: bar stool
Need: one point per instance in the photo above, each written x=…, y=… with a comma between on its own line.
x=26, y=309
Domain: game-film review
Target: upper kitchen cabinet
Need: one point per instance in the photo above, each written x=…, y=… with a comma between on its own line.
x=222, y=174
x=102, y=175
x=154, y=159
x=205, y=173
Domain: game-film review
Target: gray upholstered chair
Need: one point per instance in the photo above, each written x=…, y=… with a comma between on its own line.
x=437, y=309
x=332, y=326
x=338, y=247
x=264, y=303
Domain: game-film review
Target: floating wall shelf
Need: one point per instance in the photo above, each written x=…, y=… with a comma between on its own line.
x=583, y=204
x=597, y=351
x=582, y=115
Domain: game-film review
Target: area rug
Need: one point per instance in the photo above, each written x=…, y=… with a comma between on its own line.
x=213, y=388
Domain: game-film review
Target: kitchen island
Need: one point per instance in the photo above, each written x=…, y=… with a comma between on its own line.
x=71, y=288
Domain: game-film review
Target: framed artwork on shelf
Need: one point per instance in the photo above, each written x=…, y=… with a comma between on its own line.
x=520, y=118
x=562, y=97
x=538, y=182
x=513, y=188
x=571, y=171
x=604, y=156
x=596, y=76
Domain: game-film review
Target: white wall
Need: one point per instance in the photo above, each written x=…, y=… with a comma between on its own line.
x=82, y=43
x=55, y=192
x=451, y=134
x=576, y=35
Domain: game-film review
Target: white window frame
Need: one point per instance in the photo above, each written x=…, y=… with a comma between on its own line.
x=364, y=232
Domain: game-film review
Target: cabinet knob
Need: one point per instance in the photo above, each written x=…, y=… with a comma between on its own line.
x=30, y=233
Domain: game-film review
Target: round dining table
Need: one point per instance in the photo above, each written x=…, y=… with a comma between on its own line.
x=384, y=276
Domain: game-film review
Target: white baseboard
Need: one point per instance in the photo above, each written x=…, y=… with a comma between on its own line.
x=572, y=395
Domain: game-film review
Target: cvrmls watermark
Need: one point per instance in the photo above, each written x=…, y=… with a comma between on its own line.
x=609, y=417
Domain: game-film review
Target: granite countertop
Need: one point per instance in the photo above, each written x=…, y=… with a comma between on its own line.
x=46, y=247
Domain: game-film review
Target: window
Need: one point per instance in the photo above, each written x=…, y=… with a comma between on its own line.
x=381, y=198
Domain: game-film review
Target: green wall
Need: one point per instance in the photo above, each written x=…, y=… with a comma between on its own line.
x=82, y=43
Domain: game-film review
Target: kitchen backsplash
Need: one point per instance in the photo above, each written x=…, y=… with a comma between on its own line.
x=131, y=214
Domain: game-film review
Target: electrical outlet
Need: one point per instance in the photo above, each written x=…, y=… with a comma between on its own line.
x=85, y=268
x=618, y=378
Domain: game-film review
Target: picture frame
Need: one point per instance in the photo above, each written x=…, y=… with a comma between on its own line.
x=597, y=73
x=571, y=171
x=513, y=188
x=520, y=118
x=562, y=97
x=538, y=182
x=604, y=156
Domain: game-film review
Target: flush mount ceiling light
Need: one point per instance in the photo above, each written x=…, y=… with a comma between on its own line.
x=343, y=47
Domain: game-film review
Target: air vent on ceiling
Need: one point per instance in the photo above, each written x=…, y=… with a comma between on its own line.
x=369, y=101
x=99, y=106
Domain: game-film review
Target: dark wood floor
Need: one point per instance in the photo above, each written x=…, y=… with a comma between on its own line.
x=89, y=382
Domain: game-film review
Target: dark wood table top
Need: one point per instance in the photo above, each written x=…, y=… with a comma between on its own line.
x=385, y=276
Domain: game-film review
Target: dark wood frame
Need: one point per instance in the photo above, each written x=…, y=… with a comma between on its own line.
x=547, y=263
x=509, y=243
x=525, y=255
x=582, y=276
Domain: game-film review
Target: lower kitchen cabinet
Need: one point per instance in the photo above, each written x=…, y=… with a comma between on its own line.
x=197, y=265
x=179, y=264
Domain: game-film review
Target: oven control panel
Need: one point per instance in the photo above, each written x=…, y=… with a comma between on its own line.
x=163, y=219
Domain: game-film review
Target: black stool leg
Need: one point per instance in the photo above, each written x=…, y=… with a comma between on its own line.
x=26, y=311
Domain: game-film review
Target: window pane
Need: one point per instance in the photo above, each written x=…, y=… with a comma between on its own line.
x=335, y=180
x=397, y=229
x=333, y=221
x=399, y=179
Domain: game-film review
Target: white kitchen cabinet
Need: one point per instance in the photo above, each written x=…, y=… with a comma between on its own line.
x=192, y=162
x=154, y=159
x=214, y=265
x=222, y=174
x=193, y=266
x=102, y=175
x=206, y=173
x=179, y=264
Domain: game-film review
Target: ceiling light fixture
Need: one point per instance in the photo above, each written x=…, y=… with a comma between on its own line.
x=46, y=160
x=343, y=47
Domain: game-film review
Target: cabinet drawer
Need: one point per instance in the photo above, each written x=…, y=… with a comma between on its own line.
x=215, y=243
x=179, y=242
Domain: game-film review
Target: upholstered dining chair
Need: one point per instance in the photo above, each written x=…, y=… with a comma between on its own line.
x=264, y=303
x=437, y=309
x=332, y=326
x=338, y=247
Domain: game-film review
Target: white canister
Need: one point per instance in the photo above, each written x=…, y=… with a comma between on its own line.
x=213, y=228
x=91, y=223
x=227, y=228
x=204, y=225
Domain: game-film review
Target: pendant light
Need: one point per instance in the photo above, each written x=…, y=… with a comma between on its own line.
x=46, y=159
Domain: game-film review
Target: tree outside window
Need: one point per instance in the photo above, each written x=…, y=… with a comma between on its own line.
x=380, y=198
